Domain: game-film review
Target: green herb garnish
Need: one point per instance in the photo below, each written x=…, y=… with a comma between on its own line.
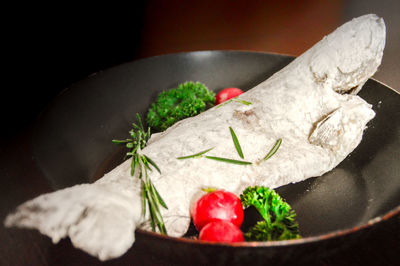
x=242, y=101
x=274, y=149
x=226, y=160
x=197, y=155
x=209, y=189
x=236, y=142
x=279, y=218
x=234, y=100
x=141, y=162
x=187, y=100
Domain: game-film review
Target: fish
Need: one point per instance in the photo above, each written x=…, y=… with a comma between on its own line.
x=311, y=106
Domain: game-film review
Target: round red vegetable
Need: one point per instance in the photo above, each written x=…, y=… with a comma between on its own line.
x=227, y=94
x=218, y=205
x=221, y=231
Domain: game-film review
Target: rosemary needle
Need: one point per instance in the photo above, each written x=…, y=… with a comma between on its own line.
x=226, y=160
x=242, y=101
x=234, y=100
x=222, y=104
x=195, y=155
x=236, y=142
x=274, y=149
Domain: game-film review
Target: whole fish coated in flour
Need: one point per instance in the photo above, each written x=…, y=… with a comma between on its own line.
x=310, y=104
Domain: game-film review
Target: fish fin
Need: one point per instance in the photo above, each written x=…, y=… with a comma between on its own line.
x=341, y=130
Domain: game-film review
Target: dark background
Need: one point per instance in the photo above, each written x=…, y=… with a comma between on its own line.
x=49, y=47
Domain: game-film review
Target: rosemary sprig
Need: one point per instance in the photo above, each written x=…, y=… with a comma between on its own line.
x=197, y=155
x=151, y=198
x=274, y=149
x=238, y=149
x=236, y=142
x=226, y=160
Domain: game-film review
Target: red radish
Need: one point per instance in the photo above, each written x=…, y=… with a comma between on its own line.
x=217, y=205
x=227, y=94
x=221, y=231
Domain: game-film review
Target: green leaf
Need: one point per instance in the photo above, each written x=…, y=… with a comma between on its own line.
x=236, y=142
x=195, y=155
x=133, y=165
x=222, y=104
x=209, y=189
x=145, y=162
x=242, y=101
x=160, y=199
x=152, y=163
x=135, y=126
x=274, y=149
x=144, y=196
x=162, y=202
x=152, y=218
x=129, y=145
x=154, y=210
x=234, y=100
x=226, y=160
x=148, y=132
x=139, y=119
x=140, y=174
x=116, y=141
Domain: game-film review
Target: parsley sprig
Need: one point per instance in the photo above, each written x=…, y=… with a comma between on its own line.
x=279, y=218
x=151, y=198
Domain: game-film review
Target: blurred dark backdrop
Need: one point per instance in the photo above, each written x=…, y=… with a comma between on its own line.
x=52, y=46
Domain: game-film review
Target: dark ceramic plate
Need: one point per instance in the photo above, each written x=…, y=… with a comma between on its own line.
x=72, y=145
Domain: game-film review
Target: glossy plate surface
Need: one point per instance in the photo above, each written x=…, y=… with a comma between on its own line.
x=72, y=141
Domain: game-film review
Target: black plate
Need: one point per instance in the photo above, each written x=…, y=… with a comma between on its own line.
x=72, y=145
